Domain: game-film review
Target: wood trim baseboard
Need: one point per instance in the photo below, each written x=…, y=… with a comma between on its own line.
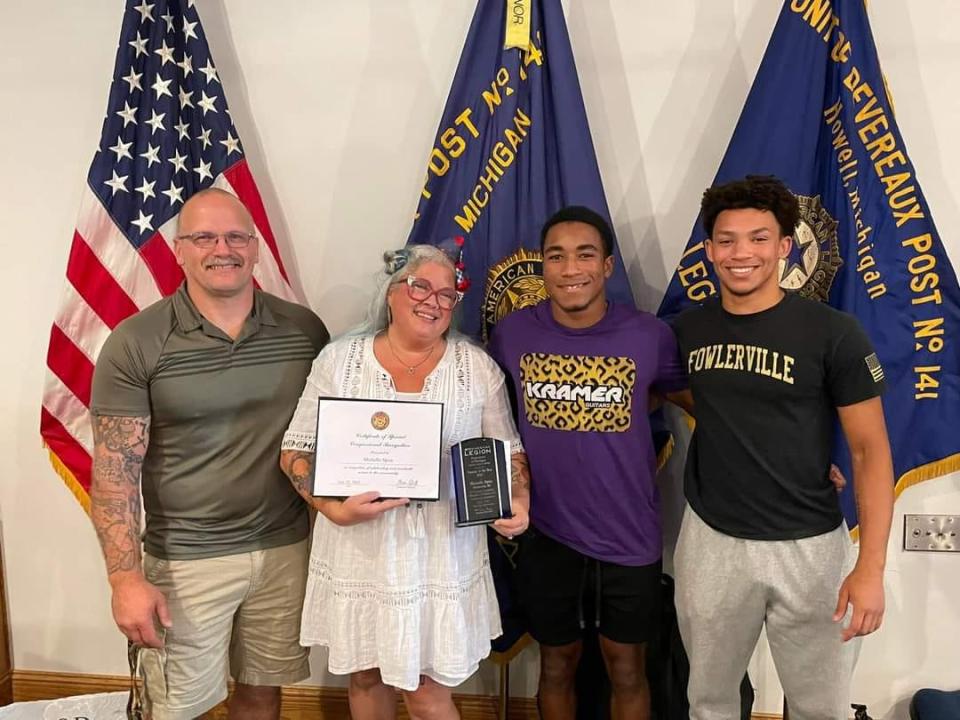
x=29, y=685
x=300, y=702
x=6, y=688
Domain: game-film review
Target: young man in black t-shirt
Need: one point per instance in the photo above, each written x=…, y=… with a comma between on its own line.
x=762, y=541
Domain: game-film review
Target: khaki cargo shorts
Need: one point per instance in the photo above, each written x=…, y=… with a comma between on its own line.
x=236, y=615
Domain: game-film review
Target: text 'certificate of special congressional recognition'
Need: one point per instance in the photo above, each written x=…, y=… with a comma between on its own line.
x=389, y=446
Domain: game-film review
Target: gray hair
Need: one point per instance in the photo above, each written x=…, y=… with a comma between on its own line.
x=398, y=264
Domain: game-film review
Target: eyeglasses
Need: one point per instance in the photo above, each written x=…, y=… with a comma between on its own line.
x=421, y=291
x=206, y=240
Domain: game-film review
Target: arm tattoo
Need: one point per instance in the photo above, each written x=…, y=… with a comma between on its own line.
x=520, y=473
x=298, y=466
x=119, y=446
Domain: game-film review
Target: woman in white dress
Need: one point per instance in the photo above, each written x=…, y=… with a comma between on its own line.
x=400, y=596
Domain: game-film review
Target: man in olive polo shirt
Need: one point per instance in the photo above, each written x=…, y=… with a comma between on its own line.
x=192, y=395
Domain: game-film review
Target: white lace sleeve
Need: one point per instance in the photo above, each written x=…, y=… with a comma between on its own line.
x=497, y=419
x=301, y=434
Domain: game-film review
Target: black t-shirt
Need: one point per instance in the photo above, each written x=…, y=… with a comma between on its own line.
x=765, y=387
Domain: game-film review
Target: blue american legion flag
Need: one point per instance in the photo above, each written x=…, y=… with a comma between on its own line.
x=513, y=147
x=166, y=135
x=819, y=117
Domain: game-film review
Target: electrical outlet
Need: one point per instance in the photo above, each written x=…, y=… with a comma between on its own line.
x=937, y=533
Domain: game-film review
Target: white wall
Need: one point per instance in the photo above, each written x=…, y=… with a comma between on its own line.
x=337, y=104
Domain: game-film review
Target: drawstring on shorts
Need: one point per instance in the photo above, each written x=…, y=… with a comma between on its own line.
x=596, y=590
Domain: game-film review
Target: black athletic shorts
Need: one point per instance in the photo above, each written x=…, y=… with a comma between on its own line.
x=562, y=590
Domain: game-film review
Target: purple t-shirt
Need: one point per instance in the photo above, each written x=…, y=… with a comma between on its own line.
x=582, y=409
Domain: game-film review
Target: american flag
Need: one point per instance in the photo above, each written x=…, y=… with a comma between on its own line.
x=167, y=134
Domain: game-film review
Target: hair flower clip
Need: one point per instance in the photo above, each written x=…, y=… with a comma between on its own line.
x=395, y=260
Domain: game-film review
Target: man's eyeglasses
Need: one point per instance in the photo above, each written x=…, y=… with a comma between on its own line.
x=421, y=291
x=205, y=240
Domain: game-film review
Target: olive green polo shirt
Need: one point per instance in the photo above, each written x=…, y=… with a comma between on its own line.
x=218, y=409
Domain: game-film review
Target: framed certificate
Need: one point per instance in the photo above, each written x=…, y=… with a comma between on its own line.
x=390, y=446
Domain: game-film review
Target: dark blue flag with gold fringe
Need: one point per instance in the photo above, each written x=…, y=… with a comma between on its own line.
x=512, y=148
x=819, y=117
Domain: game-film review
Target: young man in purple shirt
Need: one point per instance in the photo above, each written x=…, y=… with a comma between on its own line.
x=582, y=370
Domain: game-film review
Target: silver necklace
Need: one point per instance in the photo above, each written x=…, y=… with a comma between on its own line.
x=409, y=368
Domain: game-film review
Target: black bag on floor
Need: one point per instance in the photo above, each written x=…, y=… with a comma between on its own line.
x=668, y=668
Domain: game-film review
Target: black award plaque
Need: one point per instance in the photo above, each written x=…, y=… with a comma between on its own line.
x=481, y=480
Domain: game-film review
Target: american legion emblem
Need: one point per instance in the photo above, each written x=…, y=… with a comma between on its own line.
x=513, y=283
x=814, y=258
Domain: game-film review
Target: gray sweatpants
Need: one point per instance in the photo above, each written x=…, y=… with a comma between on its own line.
x=727, y=588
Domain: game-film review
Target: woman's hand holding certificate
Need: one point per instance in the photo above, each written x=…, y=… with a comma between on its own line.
x=360, y=508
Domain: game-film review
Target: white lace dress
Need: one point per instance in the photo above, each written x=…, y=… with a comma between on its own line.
x=408, y=593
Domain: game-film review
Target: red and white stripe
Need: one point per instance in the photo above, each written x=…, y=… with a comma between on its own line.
x=108, y=280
